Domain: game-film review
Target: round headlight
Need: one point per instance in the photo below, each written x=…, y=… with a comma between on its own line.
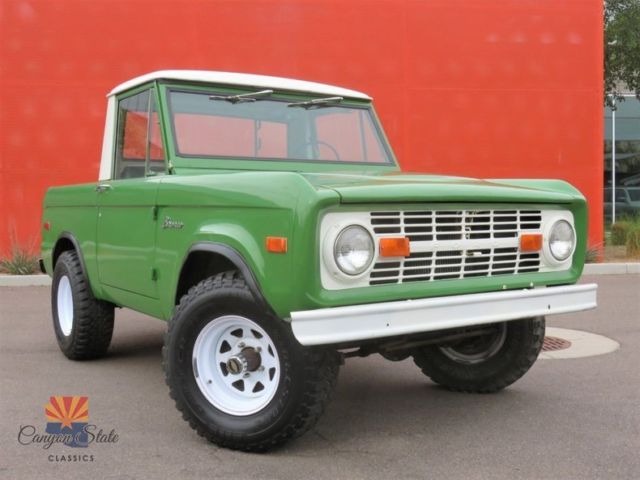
x=561, y=240
x=353, y=250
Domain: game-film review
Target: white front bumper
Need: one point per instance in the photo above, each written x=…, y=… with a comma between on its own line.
x=376, y=320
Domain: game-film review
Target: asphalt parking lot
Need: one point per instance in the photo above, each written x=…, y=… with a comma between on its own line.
x=566, y=419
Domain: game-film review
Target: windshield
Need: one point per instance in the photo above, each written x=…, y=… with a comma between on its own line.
x=255, y=126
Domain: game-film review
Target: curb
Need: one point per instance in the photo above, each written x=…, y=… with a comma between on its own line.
x=589, y=269
x=24, y=280
x=611, y=269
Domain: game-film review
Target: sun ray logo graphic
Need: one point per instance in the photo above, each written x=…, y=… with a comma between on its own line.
x=68, y=415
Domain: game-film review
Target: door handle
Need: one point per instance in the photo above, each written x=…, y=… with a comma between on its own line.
x=103, y=187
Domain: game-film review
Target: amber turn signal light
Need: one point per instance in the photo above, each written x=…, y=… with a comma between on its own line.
x=277, y=244
x=531, y=242
x=395, y=247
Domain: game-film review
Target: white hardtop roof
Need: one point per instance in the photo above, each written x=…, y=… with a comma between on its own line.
x=244, y=79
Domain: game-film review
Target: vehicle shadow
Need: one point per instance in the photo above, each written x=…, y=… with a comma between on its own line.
x=144, y=349
x=378, y=399
x=141, y=346
x=137, y=336
x=375, y=399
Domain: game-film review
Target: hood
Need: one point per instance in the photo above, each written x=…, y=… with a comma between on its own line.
x=407, y=188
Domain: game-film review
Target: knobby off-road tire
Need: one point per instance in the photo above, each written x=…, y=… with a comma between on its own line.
x=82, y=323
x=486, y=364
x=217, y=330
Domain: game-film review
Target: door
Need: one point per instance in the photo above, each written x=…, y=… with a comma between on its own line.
x=127, y=202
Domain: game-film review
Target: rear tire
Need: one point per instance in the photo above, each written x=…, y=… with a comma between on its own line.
x=484, y=364
x=83, y=324
x=237, y=374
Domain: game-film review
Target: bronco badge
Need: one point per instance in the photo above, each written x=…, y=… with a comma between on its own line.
x=171, y=223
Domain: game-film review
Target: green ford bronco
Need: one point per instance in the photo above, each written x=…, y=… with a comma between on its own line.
x=266, y=219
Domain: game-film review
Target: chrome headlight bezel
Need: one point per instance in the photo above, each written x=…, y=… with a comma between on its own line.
x=567, y=235
x=341, y=243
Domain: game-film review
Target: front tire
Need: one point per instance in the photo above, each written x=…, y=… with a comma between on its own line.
x=237, y=374
x=83, y=324
x=486, y=363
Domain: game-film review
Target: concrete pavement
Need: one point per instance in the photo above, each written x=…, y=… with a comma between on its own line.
x=566, y=419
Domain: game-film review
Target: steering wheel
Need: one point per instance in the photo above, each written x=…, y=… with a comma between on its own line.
x=328, y=145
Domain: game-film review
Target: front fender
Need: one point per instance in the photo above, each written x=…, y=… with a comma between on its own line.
x=237, y=238
x=236, y=259
x=241, y=230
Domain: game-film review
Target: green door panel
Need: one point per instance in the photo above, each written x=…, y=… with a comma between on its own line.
x=134, y=301
x=126, y=235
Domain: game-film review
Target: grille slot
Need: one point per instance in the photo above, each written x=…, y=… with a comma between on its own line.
x=456, y=224
x=463, y=230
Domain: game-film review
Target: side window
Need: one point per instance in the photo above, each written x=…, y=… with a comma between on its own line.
x=138, y=144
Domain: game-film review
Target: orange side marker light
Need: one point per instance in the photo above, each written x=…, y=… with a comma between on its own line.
x=395, y=247
x=277, y=244
x=531, y=242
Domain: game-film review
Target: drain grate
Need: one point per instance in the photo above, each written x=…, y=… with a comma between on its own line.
x=555, y=343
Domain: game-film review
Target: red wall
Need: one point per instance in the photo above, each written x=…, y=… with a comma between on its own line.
x=495, y=88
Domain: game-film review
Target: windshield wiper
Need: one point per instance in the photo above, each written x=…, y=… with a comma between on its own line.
x=242, y=97
x=317, y=103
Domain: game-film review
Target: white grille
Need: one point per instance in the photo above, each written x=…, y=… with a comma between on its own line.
x=449, y=244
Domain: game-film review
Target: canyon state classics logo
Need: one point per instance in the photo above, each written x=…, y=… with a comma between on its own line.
x=68, y=417
x=67, y=426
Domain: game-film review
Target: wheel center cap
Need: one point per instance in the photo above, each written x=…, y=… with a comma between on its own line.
x=248, y=360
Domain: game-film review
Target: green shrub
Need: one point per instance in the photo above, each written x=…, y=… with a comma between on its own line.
x=619, y=231
x=21, y=262
x=633, y=242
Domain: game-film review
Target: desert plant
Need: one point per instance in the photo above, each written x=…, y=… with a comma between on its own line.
x=20, y=262
x=633, y=242
x=593, y=254
x=619, y=231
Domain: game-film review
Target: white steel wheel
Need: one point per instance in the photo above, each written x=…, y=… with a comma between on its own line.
x=237, y=373
x=236, y=365
x=64, y=302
